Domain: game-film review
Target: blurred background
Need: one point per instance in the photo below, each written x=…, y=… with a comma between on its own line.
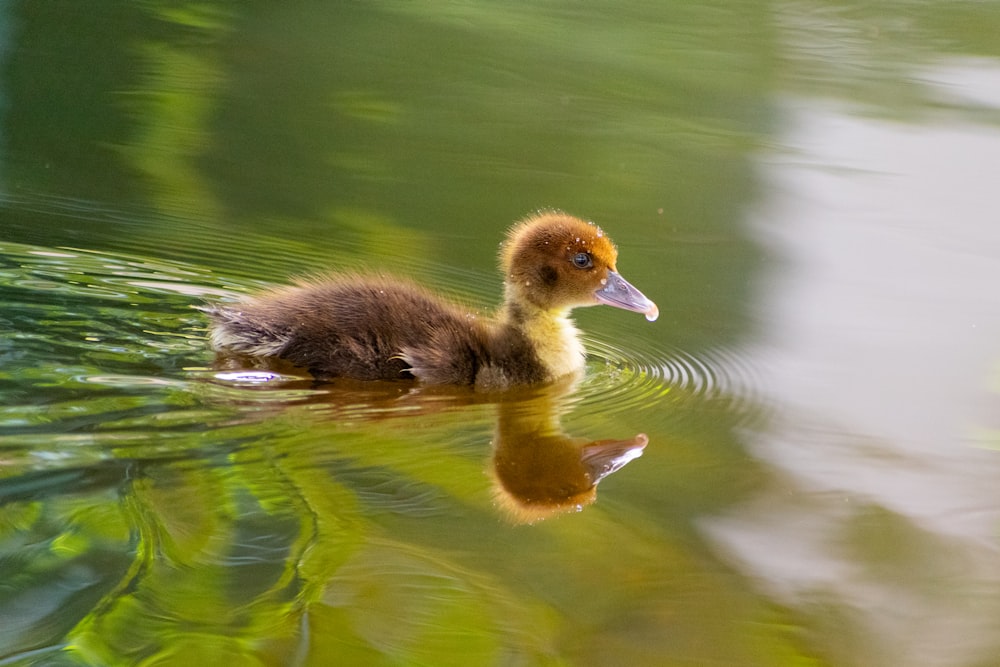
x=806, y=189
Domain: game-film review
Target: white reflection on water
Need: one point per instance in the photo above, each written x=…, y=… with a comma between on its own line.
x=881, y=335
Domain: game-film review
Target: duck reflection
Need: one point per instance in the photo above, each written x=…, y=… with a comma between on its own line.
x=537, y=469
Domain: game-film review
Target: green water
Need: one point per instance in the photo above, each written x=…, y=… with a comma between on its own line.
x=797, y=461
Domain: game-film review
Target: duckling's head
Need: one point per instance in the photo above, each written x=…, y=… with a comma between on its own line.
x=556, y=262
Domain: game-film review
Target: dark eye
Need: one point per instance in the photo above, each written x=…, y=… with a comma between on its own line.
x=582, y=260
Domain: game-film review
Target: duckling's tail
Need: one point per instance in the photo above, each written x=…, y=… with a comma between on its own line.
x=236, y=330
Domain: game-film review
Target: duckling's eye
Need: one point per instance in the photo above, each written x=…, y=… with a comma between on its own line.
x=583, y=260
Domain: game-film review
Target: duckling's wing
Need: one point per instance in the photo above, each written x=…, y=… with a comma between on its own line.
x=449, y=355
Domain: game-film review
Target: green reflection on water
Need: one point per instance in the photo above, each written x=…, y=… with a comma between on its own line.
x=151, y=515
x=301, y=549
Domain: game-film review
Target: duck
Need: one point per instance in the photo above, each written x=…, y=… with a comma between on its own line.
x=381, y=327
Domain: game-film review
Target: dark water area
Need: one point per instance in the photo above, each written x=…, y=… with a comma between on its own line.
x=797, y=462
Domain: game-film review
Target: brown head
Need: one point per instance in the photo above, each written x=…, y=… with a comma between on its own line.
x=555, y=261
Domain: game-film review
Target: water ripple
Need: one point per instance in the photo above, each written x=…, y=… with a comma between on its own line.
x=621, y=379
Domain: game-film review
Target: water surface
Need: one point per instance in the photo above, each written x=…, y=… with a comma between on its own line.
x=796, y=462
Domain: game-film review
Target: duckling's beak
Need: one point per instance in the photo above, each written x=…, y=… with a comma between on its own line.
x=619, y=293
x=604, y=457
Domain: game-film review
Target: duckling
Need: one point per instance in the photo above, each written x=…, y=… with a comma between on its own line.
x=379, y=327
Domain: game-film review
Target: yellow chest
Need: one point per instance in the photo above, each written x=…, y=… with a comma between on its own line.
x=557, y=344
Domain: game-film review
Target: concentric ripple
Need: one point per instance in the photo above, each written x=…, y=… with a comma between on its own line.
x=622, y=380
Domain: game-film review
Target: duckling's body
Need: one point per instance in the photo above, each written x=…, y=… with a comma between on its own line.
x=372, y=328
x=379, y=328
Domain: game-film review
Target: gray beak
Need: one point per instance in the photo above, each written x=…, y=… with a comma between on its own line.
x=620, y=293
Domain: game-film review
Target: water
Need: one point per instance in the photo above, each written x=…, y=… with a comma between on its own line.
x=794, y=464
